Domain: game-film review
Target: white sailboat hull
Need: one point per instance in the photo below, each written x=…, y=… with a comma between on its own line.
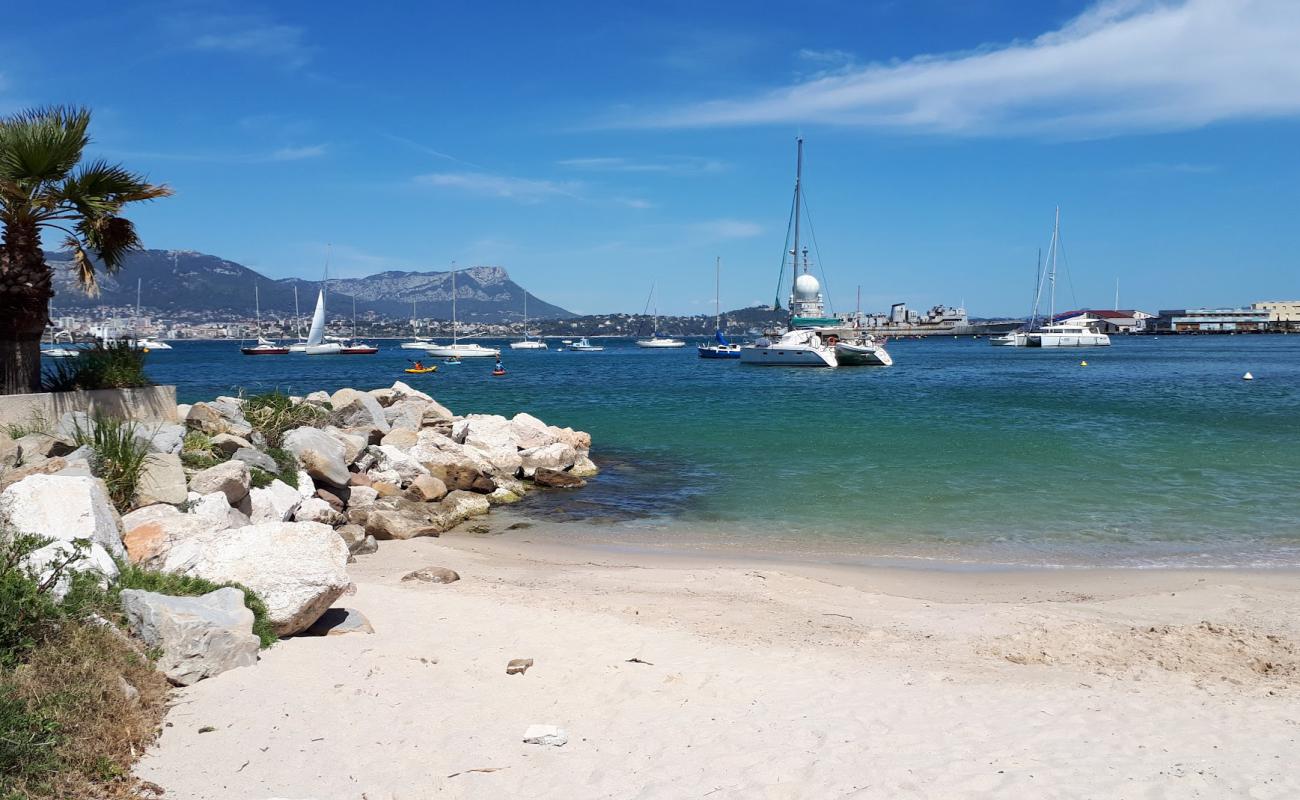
x=150, y=344
x=325, y=349
x=462, y=351
x=528, y=345
x=1013, y=339
x=777, y=355
x=1068, y=340
x=417, y=345
x=657, y=342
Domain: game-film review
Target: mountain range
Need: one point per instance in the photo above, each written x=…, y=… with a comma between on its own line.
x=175, y=281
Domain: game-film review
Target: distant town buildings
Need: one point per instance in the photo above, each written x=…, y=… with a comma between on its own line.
x=1107, y=320
x=1284, y=314
x=1213, y=320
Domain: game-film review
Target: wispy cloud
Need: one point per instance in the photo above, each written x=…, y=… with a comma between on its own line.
x=634, y=202
x=1121, y=66
x=299, y=153
x=523, y=190
x=247, y=35
x=1175, y=168
x=727, y=229
x=665, y=164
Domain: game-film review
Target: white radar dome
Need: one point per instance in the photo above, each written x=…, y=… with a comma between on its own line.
x=806, y=287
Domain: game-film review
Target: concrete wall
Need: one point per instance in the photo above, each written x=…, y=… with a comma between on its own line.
x=152, y=403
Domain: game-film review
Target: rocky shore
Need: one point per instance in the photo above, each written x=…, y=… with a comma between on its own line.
x=276, y=494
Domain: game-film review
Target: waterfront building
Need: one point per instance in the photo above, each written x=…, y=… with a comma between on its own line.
x=1213, y=320
x=1283, y=314
x=1108, y=320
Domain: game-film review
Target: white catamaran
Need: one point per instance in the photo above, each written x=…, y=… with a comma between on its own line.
x=1077, y=334
x=456, y=349
x=527, y=343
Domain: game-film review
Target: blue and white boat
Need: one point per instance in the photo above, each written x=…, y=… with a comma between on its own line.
x=719, y=347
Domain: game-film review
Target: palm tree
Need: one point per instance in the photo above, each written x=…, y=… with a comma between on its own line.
x=44, y=187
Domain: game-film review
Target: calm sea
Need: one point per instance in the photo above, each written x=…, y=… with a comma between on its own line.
x=1155, y=453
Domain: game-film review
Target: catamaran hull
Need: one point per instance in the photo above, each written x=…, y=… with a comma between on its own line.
x=1010, y=340
x=1068, y=340
x=788, y=356
x=862, y=355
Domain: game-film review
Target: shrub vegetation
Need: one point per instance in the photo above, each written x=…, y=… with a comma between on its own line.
x=113, y=366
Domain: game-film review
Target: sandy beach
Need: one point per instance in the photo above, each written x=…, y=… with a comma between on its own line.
x=756, y=679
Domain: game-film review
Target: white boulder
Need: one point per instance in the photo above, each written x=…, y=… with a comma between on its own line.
x=321, y=455
x=274, y=503
x=557, y=455
x=231, y=478
x=162, y=480
x=297, y=568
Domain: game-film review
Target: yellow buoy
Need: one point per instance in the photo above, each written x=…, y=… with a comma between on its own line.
x=1083, y=363
x=144, y=349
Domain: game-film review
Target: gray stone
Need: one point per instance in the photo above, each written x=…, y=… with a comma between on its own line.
x=217, y=507
x=518, y=666
x=352, y=535
x=432, y=575
x=320, y=455
x=231, y=478
x=338, y=621
x=314, y=509
x=491, y=436
x=556, y=455
x=162, y=480
x=198, y=636
x=163, y=437
x=366, y=546
x=402, y=438
x=353, y=444
x=65, y=509
x=255, y=458
x=390, y=459
x=298, y=568
x=426, y=489
x=149, y=541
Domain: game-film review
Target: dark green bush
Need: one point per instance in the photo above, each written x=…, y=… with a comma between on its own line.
x=114, y=366
x=273, y=413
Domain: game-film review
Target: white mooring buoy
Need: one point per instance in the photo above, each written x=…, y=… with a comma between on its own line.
x=1248, y=377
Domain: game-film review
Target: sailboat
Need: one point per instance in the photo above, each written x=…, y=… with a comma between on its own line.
x=316, y=344
x=527, y=343
x=145, y=342
x=352, y=347
x=655, y=339
x=1079, y=334
x=417, y=341
x=456, y=349
x=264, y=347
x=720, y=347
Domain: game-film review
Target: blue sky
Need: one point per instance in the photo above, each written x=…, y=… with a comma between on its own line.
x=591, y=148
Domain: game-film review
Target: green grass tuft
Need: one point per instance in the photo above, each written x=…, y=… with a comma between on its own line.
x=118, y=457
x=273, y=413
x=286, y=465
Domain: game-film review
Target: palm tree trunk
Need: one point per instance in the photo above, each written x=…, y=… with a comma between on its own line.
x=25, y=291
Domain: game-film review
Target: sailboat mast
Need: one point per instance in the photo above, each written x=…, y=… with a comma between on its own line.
x=257, y=309
x=1056, y=245
x=798, y=204
x=525, y=315
x=453, y=304
x=297, y=318
x=1117, y=294
x=717, y=294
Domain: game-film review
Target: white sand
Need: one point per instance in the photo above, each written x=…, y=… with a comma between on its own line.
x=765, y=681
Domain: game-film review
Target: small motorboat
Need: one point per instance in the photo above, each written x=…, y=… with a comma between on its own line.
x=358, y=349
x=585, y=346
x=451, y=360
x=265, y=347
x=421, y=370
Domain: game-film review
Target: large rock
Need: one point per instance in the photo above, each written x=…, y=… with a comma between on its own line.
x=557, y=455
x=530, y=432
x=320, y=454
x=315, y=509
x=406, y=414
x=65, y=509
x=426, y=489
x=197, y=637
x=492, y=437
x=147, y=514
x=353, y=444
x=255, y=458
x=433, y=449
x=557, y=479
x=231, y=478
x=217, y=507
x=353, y=409
x=163, y=437
x=401, y=438
x=388, y=458
x=227, y=444
x=162, y=480
x=584, y=467
x=433, y=410
x=274, y=503
x=148, y=542
x=219, y=416
x=396, y=518
x=297, y=568
x=44, y=445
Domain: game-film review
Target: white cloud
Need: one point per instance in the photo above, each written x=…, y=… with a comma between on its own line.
x=524, y=190
x=634, y=202
x=727, y=229
x=299, y=153
x=1121, y=66
x=249, y=35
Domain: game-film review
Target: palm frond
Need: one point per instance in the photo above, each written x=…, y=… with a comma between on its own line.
x=85, y=267
x=42, y=144
x=103, y=188
x=110, y=238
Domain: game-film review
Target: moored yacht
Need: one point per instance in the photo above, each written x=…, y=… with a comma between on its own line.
x=719, y=347
x=655, y=339
x=456, y=349
x=527, y=343
x=584, y=346
x=1073, y=335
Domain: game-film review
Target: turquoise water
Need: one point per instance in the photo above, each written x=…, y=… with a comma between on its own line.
x=1155, y=453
